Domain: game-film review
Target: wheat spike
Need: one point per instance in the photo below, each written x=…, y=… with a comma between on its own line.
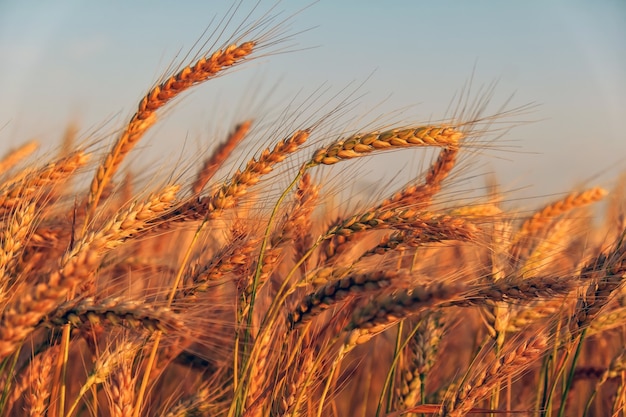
x=363, y=144
x=336, y=291
x=14, y=156
x=26, y=309
x=479, y=386
x=34, y=184
x=145, y=116
x=213, y=163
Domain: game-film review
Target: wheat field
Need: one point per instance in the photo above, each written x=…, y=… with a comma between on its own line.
x=274, y=289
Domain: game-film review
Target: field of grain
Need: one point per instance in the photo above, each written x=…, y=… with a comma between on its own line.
x=274, y=289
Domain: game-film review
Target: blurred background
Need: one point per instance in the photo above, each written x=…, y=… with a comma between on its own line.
x=89, y=63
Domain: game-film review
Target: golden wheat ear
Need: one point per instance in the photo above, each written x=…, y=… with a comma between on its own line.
x=17, y=155
x=25, y=310
x=33, y=185
x=362, y=144
x=269, y=302
x=145, y=116
x=219, y=156
x=420, y=196
x=235, y=51
x=515, y=360
x=542, y=219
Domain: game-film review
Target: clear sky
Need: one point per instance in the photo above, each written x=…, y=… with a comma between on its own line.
x=91, y=61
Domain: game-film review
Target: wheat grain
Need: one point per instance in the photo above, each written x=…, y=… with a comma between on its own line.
x=420, y=355
x=121, y=390
x=27, y=308
x=236, y=313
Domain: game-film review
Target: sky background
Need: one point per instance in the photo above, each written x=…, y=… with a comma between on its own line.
x=90, y=62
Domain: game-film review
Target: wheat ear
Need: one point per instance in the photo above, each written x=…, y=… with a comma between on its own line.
x=14, y=156
x=294, y=228
x=307, y=194
x=400, y=240
x=384, y=311
x=213, y=163
x=116, y=311
x=106, y=363
x=363, y=144
x=230, y=259
x=34, y=383
x=260, y=373
x=598, y=293
x=607, y=320
x=540, y=220
x=533, y=314
x=337, y=291
x=12, y=238
x=237, y=187
x=145, y=116
x=25, y=310
x=296, y=384
x=430, y=227
x=420, y=355
x=574, y=200
x=32, y=184
x=227, y=195
x=480, y=385
x=121, y=390
x=419, y=196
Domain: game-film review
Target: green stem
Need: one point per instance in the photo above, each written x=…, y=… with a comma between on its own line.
x=392, y=371
x=545, y=387
x=9, y=381
x=259, y=265
x=157, y=335
x=560, y=367
x=572, y=371
x=241, y=388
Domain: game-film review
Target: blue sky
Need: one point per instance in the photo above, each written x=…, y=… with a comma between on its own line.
x=92, y=61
